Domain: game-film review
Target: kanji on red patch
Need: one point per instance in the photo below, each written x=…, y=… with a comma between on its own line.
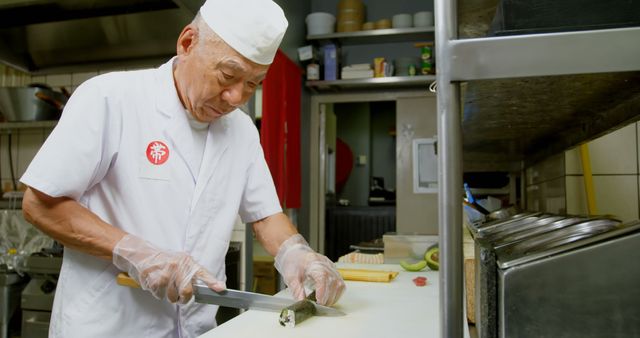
x=157, y=152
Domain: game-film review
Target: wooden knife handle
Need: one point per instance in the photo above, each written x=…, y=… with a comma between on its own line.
x=124, y=280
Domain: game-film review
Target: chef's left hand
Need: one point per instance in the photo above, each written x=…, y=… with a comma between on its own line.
x=299, y=264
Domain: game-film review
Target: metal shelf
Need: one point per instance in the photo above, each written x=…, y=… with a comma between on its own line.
x=522, y=98
x=377, y=82
x=378, y=36
x=524, y=120
x=531, y=96
x=596, y=51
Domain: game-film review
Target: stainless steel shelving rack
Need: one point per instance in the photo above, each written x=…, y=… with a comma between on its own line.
x=377, y=82
x=376, y=36
x=555, y=58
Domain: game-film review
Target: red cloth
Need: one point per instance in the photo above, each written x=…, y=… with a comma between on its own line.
x=344, y=164
x=280, y=127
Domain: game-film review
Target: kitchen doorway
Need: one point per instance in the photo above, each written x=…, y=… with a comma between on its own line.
x=360, y=174
x=340, y=106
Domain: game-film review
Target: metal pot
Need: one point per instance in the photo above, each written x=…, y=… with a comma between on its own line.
x=33, y=103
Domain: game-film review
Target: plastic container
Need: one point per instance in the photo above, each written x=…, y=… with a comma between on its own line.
x=319, y=23
x=402, y=21
x=331, y=62
x=403, y=65
x=408, y=247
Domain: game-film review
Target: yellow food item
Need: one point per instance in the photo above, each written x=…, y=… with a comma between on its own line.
x=368, y=275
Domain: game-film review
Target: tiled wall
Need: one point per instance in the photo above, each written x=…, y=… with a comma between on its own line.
x=557, y=184
x=545, y=186
x=24, y=145
x=26, y=142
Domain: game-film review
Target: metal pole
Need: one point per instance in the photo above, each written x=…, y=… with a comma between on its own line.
x=450, y=175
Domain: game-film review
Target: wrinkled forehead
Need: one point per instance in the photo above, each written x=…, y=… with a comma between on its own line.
x=222, y=57
x=241, y=64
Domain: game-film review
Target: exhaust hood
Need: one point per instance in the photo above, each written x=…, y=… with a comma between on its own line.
x=48, y=36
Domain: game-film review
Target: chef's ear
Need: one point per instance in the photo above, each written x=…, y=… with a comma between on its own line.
x=187, y=40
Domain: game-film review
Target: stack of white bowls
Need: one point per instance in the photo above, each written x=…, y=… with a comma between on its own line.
x=319, y=23
x=423, y=19
x=402, y=21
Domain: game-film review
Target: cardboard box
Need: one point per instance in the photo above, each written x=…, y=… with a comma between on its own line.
x=398, y=247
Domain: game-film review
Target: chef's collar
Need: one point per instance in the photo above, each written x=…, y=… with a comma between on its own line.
x=195, y=124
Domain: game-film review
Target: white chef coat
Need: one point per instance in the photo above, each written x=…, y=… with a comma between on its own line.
x=98, y=156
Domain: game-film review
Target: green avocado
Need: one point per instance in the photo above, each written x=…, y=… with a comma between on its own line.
x=413, y=266
x=432, y=258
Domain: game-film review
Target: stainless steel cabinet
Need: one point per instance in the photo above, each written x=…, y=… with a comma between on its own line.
x=524, y=97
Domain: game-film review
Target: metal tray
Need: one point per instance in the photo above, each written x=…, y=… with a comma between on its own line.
x=522, y=234
x=553, y=242
x=497, y=235
x=489, y=230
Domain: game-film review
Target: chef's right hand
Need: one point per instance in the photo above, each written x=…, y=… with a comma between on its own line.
x=163, y=273
x=301, y=266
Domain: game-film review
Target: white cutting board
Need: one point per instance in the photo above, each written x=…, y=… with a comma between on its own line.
x=374, y=310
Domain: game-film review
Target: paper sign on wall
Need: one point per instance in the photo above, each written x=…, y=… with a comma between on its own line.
x=425, y=166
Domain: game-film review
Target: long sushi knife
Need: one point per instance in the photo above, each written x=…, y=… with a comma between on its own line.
x=253, y=301
x=239, y=299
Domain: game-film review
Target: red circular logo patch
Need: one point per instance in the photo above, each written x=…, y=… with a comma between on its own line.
x=157, y=152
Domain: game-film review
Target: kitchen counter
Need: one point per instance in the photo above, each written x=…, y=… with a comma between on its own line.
x=395, y=309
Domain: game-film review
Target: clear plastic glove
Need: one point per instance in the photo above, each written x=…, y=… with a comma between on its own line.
x=300, y=265
x=163, y=273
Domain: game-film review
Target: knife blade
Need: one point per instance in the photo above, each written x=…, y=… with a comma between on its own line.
x=252, y=301
x=238, y=299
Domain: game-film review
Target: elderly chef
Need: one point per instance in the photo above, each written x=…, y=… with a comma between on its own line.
x=146, y=173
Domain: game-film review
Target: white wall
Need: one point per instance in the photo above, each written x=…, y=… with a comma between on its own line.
x=415, y=118
x=557, y=184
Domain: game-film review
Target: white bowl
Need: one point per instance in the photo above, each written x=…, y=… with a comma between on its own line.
x=423, y=19
x=402, y=21
x=319, y=23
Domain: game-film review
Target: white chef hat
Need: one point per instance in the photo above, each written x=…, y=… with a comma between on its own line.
x=254, y=28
